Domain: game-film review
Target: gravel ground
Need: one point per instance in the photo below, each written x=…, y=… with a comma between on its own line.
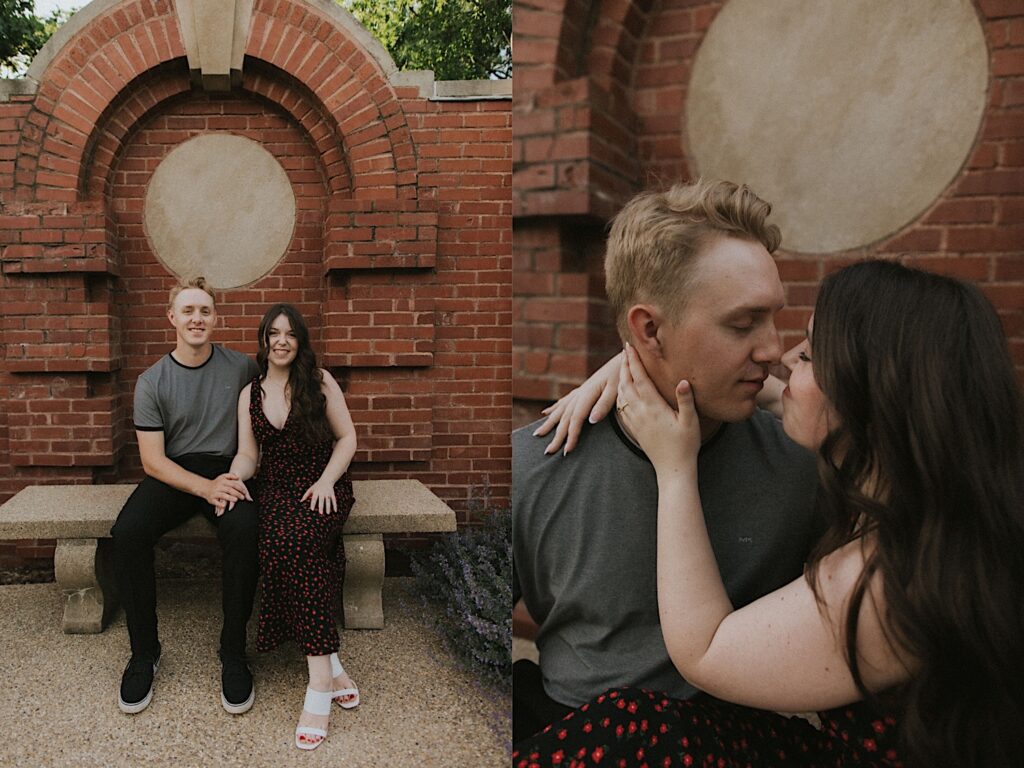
x=58, y=701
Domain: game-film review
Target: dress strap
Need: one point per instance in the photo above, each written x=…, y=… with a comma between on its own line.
x=256, y=399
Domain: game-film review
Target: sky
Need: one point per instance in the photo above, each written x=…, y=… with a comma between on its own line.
x=43, y=7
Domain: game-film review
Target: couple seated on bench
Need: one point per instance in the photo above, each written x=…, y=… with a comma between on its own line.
x=204, y=415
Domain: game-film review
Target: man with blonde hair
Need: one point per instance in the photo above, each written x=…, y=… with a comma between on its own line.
x=693, y=286
x=185, y=418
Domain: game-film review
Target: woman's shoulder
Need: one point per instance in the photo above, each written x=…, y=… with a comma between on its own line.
x=327, y=382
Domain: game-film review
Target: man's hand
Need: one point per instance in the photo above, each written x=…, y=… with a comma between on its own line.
x=223, y=491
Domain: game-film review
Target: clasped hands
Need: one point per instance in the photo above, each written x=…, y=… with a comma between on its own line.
x=228, y=489
x=225, y=491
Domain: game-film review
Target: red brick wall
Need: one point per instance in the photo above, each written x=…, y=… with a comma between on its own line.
x=401, y=257
x=618, y=111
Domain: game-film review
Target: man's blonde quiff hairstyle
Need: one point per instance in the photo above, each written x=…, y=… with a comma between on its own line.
x=193, y=282
x=654, y=239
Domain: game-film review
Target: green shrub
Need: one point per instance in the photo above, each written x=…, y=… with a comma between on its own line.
x=468, y=577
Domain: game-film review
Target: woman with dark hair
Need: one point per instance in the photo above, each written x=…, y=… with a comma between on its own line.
x=293, y=423
x=908, y=628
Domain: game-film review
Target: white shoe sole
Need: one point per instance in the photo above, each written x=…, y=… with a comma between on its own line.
x=133, y=709
x=238, y=709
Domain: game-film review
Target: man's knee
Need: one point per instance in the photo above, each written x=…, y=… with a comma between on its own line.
x=134, y=524
x=238, y=525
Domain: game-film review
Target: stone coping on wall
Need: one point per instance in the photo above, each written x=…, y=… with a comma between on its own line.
x=21, y=86
x=452, y=90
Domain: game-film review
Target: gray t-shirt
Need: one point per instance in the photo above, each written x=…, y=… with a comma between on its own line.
x=195, y=408
x=584, y=531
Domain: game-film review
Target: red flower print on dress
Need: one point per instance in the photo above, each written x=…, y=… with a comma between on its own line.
x=597, y=754
x=557, y=757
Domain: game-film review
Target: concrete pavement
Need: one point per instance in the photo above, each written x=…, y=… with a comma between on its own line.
x=58, y=693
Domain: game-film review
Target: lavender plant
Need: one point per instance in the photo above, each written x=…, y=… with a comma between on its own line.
x=468, y=577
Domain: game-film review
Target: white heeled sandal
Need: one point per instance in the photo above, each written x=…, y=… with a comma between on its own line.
x=336, y=670
x=316, y=703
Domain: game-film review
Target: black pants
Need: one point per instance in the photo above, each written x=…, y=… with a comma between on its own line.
x=532, y=708
x=156, y=508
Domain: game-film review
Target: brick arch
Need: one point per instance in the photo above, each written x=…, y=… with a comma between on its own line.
x=91, y=71
x=155, y=89
x=614, y=42
x=81, y=82
x=265, y=82
x=549, y=40
x=595, y=38
x=146, y=95
x=315, y=49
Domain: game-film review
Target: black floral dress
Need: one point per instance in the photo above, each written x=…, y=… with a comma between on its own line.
x=631, y=728
x=302, y=554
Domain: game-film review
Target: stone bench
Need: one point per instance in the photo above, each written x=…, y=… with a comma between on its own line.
x=79, y=517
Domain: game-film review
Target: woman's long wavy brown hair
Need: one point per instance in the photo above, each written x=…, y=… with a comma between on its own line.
x=930, y=411
x=308, y=404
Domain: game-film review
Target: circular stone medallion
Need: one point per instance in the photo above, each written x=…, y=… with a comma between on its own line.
x=221, y=206
x=849, y=116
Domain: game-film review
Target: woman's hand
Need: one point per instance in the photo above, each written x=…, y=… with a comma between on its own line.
x=670, y=438
x=321, y=497
x=591, y=400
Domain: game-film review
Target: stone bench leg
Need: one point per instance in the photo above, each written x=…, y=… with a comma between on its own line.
x=364, y=580
x=83, y=571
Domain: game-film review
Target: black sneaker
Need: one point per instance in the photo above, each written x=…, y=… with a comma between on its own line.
x=236, y=694
x=137, y=683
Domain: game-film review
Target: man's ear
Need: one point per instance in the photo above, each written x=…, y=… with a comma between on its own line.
x=644, y=321
x=170, y=315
